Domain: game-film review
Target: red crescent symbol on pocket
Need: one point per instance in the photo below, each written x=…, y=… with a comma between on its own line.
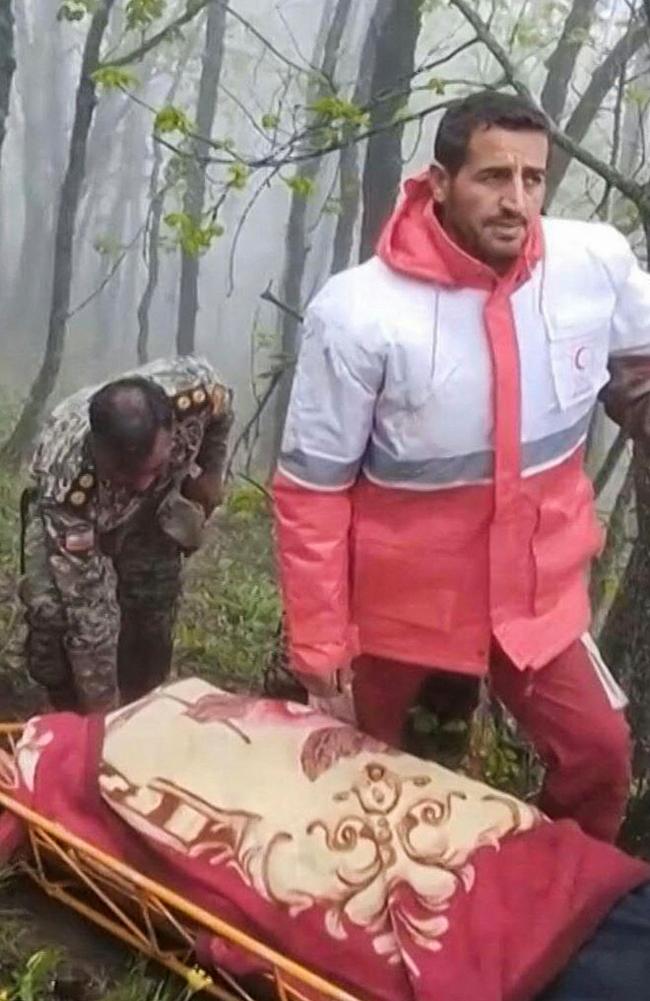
x=581, y=357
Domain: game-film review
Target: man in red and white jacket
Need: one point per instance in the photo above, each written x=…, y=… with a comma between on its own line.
x=431, y=505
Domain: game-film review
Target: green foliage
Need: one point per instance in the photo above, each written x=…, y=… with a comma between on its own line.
x=35, y=980
x=300, y=185
x=171, y=119
x=75, y=10
x=335, y=110
x=115, y=78
x=270, y=121
x=194, y=238
x=228, y=627
x=140, y=14
x=238, y=174
x=137, y=985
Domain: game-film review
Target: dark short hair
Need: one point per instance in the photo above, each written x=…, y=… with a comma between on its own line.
x=126, y=416
x=485, y=109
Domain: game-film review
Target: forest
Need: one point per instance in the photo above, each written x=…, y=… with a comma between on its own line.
x=181, y=176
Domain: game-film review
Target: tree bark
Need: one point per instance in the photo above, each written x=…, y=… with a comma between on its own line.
x=39, y=88
x=188, y=305
x=561, y=63
x=7, y=63
x=25, y=430
x=296, y=245
x=602, y=80
x=152, y=235
x=625, y=638
x=394, y=62
x=349, y=161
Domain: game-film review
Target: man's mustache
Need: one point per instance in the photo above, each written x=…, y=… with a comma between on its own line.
x=507, y=219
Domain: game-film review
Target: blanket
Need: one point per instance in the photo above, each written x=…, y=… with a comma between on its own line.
x=394, y=877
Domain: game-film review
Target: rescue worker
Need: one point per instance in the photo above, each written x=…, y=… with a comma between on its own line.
x=432, y=507
x=124, y=479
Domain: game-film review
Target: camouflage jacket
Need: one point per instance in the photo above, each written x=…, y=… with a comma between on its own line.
x=77, y=509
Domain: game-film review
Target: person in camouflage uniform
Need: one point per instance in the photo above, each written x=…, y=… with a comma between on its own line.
x=124, y=479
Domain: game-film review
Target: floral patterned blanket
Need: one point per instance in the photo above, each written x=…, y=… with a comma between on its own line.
x=395, y=878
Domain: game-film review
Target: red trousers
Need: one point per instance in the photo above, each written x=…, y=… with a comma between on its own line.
x=562, y=708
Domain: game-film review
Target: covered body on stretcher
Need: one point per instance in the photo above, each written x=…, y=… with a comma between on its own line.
x=390, y=877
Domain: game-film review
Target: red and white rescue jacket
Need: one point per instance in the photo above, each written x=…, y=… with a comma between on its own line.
x=430, y=493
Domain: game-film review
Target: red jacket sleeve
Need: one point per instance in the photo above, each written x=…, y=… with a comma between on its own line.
x=312, y=534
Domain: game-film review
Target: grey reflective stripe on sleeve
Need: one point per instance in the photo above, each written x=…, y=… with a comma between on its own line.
x=475, y=467
x=318, y=470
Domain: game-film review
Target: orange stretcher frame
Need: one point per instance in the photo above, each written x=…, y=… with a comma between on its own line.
x=144, y=914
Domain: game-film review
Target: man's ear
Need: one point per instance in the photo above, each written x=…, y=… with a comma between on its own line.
x=439, y=183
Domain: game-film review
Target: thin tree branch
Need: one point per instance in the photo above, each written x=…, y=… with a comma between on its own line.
x=268, y=296
x=135, y=55
x=109, y=276
x=634, y=191
x=604, y=474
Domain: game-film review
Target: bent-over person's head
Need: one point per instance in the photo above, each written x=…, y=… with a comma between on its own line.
x=131, y=424
x=489, y=176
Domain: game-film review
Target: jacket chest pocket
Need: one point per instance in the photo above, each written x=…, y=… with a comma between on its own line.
x=578, y=351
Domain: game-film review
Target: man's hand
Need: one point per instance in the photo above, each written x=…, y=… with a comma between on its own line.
x=206, y=490
x=336, y=683
x=332, y=695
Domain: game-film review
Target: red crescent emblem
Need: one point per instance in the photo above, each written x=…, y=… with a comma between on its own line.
x=581, y=358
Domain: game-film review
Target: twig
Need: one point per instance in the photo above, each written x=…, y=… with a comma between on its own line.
x=240, y=226
x=604, y=474
x=256, y=484
x=118, y=263
x=135, y=55
x=614, y=177
x=268, y=296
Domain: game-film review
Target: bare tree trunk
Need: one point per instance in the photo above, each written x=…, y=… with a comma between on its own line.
x=151, y=241
x=296, y=244
x=394, y=62
x=27, y=425
x=349, y=162
x=561, y=63
x=152, y=237
x=625, y=638
x=602, y=80
x=188, y=304
x=7, y=63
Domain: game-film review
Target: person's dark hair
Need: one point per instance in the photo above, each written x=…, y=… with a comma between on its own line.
x=126, y=415
x=484, y=110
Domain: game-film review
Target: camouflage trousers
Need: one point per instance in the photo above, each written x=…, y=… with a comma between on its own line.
x=142, y=574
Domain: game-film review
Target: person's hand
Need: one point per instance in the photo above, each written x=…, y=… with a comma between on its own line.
x=326, y=686
x=206, y=490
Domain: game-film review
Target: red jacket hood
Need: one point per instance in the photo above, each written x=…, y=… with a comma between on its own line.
x=414, y=243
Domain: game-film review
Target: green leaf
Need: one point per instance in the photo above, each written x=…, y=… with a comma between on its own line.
x=270, y=121
x=75, y=10
x=238, y=174
x=333, y=109
x=115, y=78
x=140, y=14
x=194, y=238
x=171, y=119
x=301, y=186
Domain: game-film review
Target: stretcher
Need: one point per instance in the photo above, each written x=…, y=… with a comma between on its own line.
x=145, y=915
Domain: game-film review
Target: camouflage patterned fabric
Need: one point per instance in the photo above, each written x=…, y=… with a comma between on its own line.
x=102, y=566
